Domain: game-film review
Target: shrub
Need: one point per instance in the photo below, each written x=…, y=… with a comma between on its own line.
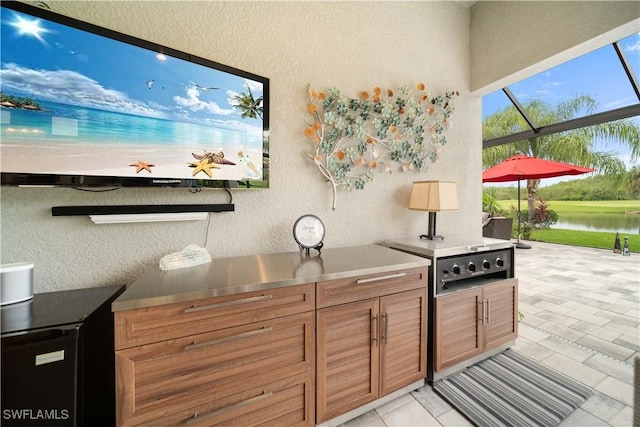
x=543, y=217
x=490, y=197
x=525, y=229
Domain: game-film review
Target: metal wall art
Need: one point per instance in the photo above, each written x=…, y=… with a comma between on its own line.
x=385, y=130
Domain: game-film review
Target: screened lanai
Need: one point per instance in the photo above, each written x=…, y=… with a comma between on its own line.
x=608, y=75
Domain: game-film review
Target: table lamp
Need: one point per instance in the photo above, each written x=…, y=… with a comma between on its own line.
x=433, y=196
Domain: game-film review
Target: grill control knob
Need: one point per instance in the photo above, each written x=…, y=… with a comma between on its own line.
x=456, y=269
x=471, y=267
x=486, y=264
x=499, y=262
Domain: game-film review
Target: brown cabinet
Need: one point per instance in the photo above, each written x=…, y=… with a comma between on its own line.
x=472, y=321
x=251, y=355
x=369, y=348
x=245, y=358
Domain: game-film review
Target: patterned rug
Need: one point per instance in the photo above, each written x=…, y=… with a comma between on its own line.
x=510, y=389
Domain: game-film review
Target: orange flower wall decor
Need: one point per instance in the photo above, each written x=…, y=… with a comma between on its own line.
x=352, y=137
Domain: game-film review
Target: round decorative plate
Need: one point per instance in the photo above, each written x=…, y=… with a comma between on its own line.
x=308, y=231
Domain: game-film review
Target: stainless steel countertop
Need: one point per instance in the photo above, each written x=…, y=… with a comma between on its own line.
x=225, y=276
x=449, y=246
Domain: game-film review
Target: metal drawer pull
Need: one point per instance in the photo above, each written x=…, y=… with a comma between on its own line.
x=227, y=339
x=376, y=334
x=375, y=279
x=385, y=318
x=483, y=316
x=227, y=304
x=488, y=311
x=485, y=311
x=197, y=418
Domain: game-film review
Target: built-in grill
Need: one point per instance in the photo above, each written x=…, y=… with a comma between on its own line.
x=457, y=263
x=456, y=272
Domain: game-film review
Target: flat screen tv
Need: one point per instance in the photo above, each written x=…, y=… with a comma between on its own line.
x=83, y=105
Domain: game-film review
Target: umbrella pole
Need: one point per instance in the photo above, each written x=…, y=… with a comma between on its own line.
x=518, y=244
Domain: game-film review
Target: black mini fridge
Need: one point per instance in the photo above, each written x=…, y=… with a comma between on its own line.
x=58, y=366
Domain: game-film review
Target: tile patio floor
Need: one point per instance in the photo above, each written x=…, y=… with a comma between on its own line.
x=581, y=318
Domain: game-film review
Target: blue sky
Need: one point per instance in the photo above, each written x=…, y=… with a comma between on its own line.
x=81, y=68
x=597, y=74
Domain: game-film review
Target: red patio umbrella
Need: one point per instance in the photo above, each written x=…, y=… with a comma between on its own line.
x=524, y=167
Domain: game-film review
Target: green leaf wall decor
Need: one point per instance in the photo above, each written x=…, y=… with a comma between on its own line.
x=354, y=137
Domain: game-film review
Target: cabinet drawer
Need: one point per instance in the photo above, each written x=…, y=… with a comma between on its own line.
x=288, y=402
x=341, y=291
x=174, y=376
x=159, y=323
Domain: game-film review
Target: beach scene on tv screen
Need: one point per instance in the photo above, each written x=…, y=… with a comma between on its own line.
x=77, y=103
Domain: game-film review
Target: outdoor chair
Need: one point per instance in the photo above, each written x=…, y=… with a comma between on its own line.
x=497, y=227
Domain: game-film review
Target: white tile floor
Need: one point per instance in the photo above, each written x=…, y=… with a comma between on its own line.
x=581, y=318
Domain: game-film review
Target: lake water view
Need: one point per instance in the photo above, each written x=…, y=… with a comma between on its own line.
x=624, y=224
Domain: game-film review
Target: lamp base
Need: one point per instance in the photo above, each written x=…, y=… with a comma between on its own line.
x=431, y=233
x=425, y=236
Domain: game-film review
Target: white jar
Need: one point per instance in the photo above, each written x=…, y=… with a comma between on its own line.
x=16, y=282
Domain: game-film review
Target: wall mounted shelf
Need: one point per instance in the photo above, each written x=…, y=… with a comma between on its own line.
x=153, y=217
x=138, y=209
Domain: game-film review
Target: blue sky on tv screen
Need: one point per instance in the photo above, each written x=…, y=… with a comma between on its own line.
x=48, y=61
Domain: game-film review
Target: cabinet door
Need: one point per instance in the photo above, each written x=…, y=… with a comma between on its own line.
x=501, y=323
x=458, y=327
x=402, y=339
x=347, y=357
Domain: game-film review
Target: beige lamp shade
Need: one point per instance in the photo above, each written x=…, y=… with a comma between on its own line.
x=434, y=196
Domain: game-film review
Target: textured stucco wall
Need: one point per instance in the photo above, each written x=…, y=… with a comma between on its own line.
x=349, y=45
x=513, y=40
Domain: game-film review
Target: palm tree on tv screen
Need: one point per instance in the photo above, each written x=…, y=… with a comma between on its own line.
x=249, y=106
x=576, y=146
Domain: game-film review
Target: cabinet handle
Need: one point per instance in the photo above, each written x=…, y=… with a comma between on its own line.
x=376, y=333
x=488, y=311
x=227, y=339
x=227, y=304
x=481, y=303
x=197, y=418
x=375, y=279
x=385, y=319
x=484, y=311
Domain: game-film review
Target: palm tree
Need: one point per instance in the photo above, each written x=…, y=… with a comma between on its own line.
x=575, y=146
x=250, y=107
x=633, y=181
